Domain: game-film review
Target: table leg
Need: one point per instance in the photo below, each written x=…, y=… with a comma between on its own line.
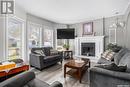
x=89, y=64
x=64, y=71
x=79, y=75
x=71, y=55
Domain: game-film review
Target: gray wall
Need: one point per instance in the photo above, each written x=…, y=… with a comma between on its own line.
x=101, y=28
x=127, y=28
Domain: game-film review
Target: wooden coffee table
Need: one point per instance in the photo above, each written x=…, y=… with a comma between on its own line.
x=77, y=69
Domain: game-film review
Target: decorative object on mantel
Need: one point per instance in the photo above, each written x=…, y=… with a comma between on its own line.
x=88, y=28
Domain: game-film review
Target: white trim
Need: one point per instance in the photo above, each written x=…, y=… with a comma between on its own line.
x=28, y=23
x=49, y=28
x=6, y=35
x=40, y=31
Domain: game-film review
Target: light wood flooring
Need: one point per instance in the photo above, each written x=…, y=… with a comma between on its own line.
x=56, y=73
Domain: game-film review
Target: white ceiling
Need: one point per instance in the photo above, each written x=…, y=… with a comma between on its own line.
x=73, y=11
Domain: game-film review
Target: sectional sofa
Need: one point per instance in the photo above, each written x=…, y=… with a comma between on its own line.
x=100, y=77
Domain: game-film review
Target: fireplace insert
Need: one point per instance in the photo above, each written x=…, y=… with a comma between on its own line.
x=88, y=49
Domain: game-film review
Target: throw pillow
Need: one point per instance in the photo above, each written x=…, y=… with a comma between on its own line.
x=113, y=67
x=104, y=55
x=40, y=52
x=53, y=52
x=110, y=56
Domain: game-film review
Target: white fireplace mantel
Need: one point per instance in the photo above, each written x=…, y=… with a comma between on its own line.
x=99, y=46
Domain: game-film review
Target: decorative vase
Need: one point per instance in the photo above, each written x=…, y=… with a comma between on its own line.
x=67, y=48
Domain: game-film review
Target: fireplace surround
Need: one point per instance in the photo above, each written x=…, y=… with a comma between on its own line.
x=89, y=47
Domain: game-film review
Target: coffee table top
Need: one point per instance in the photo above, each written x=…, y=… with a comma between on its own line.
x=74, y=64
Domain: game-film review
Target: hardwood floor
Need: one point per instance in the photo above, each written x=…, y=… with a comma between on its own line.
x=56, y=73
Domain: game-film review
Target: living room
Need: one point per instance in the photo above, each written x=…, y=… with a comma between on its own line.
x=65, y=43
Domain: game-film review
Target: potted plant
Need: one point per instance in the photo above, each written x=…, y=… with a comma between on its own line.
x=66, y=46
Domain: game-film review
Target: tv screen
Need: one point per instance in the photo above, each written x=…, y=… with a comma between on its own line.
x=68, y=33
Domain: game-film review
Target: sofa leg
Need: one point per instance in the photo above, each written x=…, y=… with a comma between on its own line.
x=40, y=69
x=61, y=62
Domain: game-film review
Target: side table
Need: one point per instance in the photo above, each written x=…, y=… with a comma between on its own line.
x=68, y=54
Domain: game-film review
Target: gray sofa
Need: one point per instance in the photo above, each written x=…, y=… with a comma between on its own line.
x=40, y=62
x=27, y=79
x=100, y=77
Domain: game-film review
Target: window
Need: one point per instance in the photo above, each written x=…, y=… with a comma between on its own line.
x=14, y=38
x=48, y=37
x=34, y=32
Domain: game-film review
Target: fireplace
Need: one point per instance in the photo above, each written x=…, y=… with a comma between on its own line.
x=88, y=49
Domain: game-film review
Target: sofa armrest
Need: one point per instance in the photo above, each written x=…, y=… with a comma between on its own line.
x=115, y=74
x=36, y=60
x=56, y=84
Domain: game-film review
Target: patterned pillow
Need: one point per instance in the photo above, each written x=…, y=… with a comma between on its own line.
x=110, y=55
x=40, y=52
x=53, y=52
x=104, y=55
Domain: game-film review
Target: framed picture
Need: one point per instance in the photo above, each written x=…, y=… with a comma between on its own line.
x=88, y=28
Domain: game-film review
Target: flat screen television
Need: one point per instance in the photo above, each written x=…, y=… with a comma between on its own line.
x=68, y=33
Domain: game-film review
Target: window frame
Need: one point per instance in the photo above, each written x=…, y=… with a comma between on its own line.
x=49, y=28
x=15, y=18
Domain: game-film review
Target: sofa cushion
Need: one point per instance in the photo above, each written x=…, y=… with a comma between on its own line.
x=104, y=55
x=16, y=81
x=53, y=52
x=119, y=55
x=46, y=50
x=51, y=58
x=40, y=52
x=113, y=67
x=35, y=48
x=37, y=83
x=125, y=60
